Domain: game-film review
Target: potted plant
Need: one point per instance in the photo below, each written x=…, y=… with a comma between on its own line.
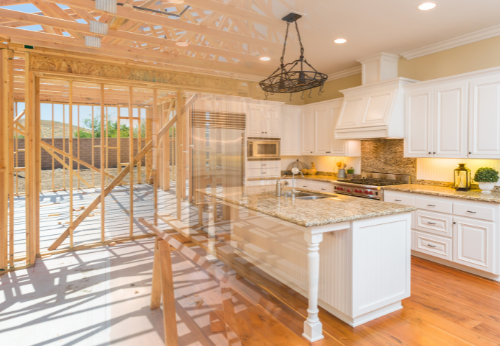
x=486, y=177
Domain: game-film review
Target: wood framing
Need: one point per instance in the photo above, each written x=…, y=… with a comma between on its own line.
x=4, y=160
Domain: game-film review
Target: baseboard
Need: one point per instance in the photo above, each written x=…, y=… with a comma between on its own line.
x=456, y=266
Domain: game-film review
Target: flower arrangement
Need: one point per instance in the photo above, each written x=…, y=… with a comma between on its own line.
x=486, y=175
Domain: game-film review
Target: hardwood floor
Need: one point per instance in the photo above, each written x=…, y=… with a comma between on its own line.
x=447, y=307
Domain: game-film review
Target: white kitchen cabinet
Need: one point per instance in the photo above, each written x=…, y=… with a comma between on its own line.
x=484, y=117
x=418, y=132
x=318, y=137
x=473, y=244
x=307, y=132
x=290, y=130
x=263, y=120
x=450, y=120
x=436, y=120
x=463, y=232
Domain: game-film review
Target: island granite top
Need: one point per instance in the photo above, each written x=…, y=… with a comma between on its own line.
x=307, y=213
x=474, y=195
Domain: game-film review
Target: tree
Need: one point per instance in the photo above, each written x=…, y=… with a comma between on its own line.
x=112, y=129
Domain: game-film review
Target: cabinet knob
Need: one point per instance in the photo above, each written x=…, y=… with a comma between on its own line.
x=328, y=152
x=470, y=152
x=434, y=153
x=429, y=152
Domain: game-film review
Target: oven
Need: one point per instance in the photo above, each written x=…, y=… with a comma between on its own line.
x=263, y=149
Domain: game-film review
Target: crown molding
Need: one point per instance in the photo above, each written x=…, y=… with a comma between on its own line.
x=344, y=73
x=453, y=42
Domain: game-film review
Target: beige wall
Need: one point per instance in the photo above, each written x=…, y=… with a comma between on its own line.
x=471, y=57
x=332, y=89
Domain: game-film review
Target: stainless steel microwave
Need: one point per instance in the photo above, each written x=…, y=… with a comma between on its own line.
x=263, y=148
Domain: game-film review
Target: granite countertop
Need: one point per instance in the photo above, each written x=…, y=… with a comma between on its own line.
x=307, y=213
x=327, y=178
x=474, y=195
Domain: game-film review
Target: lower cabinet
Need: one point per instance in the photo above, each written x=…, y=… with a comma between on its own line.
x=473, y=243
x=448, y=234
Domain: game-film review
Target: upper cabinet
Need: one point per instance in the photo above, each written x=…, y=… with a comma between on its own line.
x=454, y=117
x=436, y=121
x=318, y=126
x=263, y=119
x=290, y=130
x=484, y=117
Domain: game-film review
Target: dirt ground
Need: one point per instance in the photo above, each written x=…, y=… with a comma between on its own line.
x=61, y=179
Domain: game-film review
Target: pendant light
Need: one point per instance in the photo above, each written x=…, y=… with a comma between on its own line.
x=291, y=77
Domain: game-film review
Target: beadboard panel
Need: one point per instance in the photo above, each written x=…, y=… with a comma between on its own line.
x=443, y=169
x=336, y=270
x=383, y=245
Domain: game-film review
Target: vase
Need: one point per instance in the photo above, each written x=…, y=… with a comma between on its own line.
x=486, y=187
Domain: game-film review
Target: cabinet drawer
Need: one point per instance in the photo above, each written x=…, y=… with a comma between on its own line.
x=474, y=211
x=433, y=245
x=405, y=200
x=263, y=164
x=263, y=172
x=433, y=205
x=321, y=186
x=432, y=222
x=304, y=184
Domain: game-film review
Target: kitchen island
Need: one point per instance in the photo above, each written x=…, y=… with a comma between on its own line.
x=360, y=272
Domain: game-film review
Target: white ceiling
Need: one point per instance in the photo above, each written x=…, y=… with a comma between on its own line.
x=372, y=26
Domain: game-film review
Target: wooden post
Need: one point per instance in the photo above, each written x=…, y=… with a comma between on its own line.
x=77, y=142
x=103, y=176
x=53, y=162
x=93, y=147
x=38, y=159
x=131, y=159
x=118, y=142
x=179, y=184
x=70, y=164
x=10, y=150
x=155, y=157
x=4, y=160
x=149, y=134
x=139, y=164
x=64, y=143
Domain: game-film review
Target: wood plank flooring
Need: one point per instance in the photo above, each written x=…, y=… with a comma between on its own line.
x=447, y=307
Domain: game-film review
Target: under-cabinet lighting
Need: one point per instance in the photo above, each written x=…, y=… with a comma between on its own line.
x=340, y=40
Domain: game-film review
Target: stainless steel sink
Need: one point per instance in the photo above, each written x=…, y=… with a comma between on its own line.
x=312, y=197
x=307, y=195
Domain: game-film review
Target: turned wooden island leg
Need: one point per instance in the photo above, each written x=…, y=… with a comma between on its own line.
x=313, y=329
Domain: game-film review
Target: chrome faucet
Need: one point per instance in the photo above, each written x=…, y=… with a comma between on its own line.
x=279, y=186
x=295, y=170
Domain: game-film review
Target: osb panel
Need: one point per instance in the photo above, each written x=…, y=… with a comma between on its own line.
x=57, y=64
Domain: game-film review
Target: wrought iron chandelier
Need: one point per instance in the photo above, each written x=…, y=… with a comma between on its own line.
x=291, y=77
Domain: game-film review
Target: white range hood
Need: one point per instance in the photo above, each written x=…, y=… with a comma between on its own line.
x=375, y=109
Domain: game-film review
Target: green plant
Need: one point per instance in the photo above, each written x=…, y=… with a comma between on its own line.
x=486, y=175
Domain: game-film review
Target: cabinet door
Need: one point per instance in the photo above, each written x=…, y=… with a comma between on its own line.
x=290, y=131
x=450, y=120
x=418, y=138
x=273, y=122
x=254, y=121
x=474, y=244
x=307, y=137
x=339, y=147
x=323, y=131
x=484, y=117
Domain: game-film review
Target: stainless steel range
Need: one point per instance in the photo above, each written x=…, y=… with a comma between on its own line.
x=370, y=184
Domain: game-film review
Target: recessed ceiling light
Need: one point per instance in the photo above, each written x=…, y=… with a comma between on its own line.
x=340, y=40
x=182, y=44
x=265, y=58
x=427, y=6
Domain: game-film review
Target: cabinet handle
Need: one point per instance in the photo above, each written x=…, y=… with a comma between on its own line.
x=397, y=200
x=429, y=152
x=434, y=153
x=472, y=212
x=263, y=164
x=470, y=152
x=263, y=172
x=311, y=152
x=429, y=245
x=304, y=186
x=328, y=152
x=431, y=223
x=323, y=189
x=430, y=205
